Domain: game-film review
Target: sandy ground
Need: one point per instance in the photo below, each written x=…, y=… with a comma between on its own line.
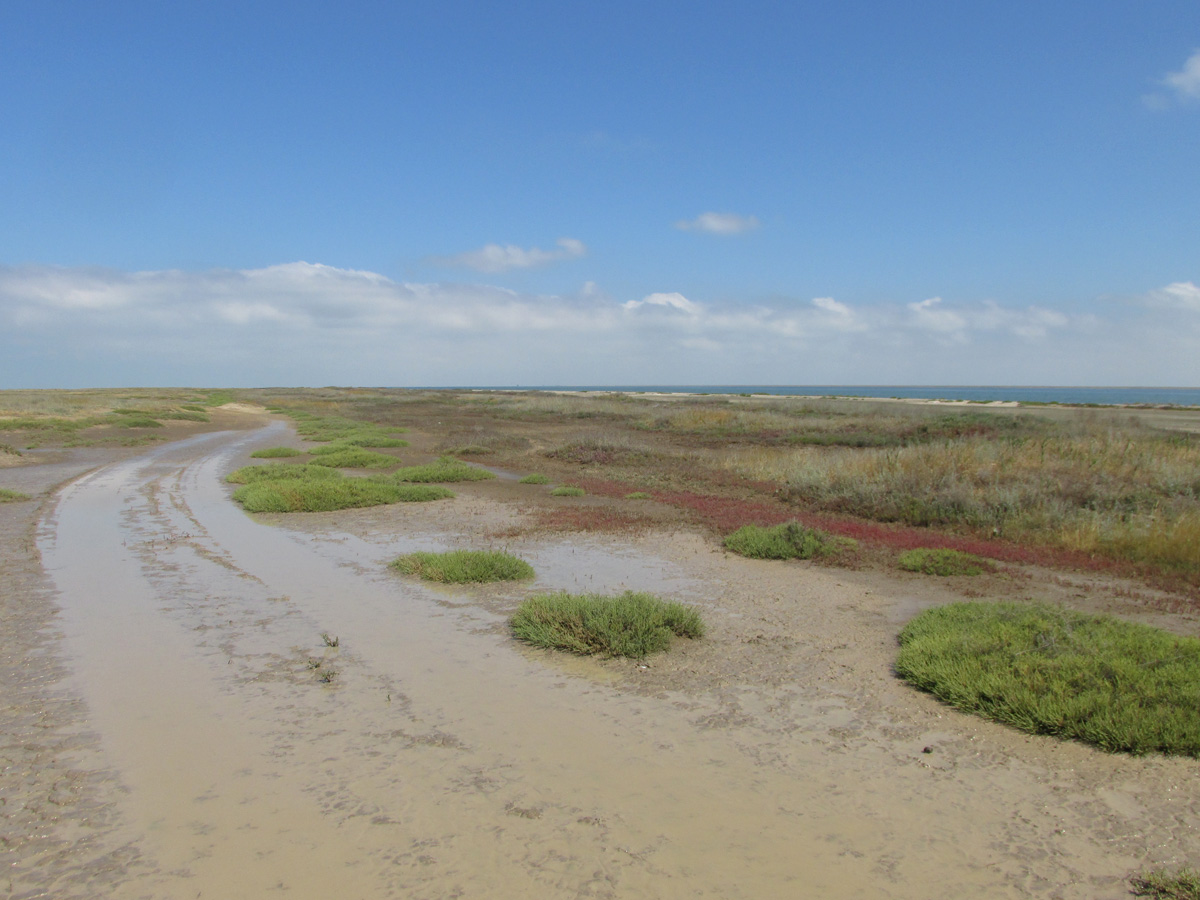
x=171, y=727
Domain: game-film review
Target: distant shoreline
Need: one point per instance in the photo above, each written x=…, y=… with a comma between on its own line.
x=1000, y=395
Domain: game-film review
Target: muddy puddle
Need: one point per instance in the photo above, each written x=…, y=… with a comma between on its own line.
x=428, y=756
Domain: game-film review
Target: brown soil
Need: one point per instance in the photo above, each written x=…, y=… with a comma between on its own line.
x=168, y=732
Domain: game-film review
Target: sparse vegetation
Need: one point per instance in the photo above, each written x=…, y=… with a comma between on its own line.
x=307, y=491
x=1161, y=884
x=535, y=478
x=328, y=640
x=790, y=540
x=629, y=624
x=355, y=458
x=638, y=495
x=567, y=490
x=1118, y=685
x=942, y=562
x=464, y=566
x=276, y=453
x=10, y=496
x=280, y=472
x=445, y=469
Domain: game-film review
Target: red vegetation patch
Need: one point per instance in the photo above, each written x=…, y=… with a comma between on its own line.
x=727, y=514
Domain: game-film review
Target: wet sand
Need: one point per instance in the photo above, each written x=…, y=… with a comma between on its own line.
x=171, y=734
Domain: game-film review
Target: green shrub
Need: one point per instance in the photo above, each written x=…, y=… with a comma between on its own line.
x=363, y=440
x=629, y=624
x=276, y=453
x=942, y=562
x=355, y=458
x=638, y=495
x=10, y=496
x=127, y=421
x=535, y=478
x=327, y=494
x=788, y=541
x=567, y=490
x=1181, y=885
x=1115, y=684
x=444, y=469
x=279, y=472
x=464, y=566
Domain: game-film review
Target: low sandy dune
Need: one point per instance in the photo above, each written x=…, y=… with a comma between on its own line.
x=175, y=730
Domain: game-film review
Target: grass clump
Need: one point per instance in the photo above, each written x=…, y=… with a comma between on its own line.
x=1120, y=686
x=444, y=469
x=942, y=562
x=567, y=490
x=279, y=472
x=276, y=453
x=1164, y=885
x=638, y=495
x=354, y=458
x=464, y=566
x=630, y=624
x=790, y=540
x=535, y=478
x=327, y=494
x=11, y=496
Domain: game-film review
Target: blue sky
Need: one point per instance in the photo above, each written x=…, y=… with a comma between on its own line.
x=525, y=193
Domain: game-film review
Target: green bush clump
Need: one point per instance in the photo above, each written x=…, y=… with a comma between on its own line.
x=11, y=496
x=276, y=453
x=567, y=490
x=1115, y=684
x=638, y=495
x=327, y=494
x=630, y=624
x=790, y=540
x=135, y=421
x=362, y=440
x=464, y=566
x=279, y=472
x=535, y=478
x=355, y=458
x=446, y=468
x=942, y=562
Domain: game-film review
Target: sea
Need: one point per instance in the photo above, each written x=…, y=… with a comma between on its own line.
x=1070, y=396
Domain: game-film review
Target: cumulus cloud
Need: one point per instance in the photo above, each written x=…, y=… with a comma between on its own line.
x=1186, y=82
x=719, y=223
x=304, y=323
x=495, y=258
x=672, y=301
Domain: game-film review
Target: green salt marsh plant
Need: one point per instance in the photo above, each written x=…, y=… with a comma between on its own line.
x=942, y=562
x=444, y=469
x=1118, y=685
x=464, y=566
x=567, y=490
x=790, y=540
x=276, y=453
x=630, y=624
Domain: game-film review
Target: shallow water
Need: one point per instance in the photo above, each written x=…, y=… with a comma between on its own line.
x=441, y=759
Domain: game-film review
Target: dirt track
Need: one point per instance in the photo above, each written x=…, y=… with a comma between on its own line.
x=167, y=733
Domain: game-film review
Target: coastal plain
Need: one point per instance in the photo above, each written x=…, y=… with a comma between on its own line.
x=169, y=731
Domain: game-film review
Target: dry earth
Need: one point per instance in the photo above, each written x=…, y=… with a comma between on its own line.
x=167, y=731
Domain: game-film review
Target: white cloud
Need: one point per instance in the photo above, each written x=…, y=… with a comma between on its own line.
x=672, y=301
x=1179, y=295
x=1186, y=82
x=719, y=223
x=303, y=323
x=495, y=258
x=929, y=315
